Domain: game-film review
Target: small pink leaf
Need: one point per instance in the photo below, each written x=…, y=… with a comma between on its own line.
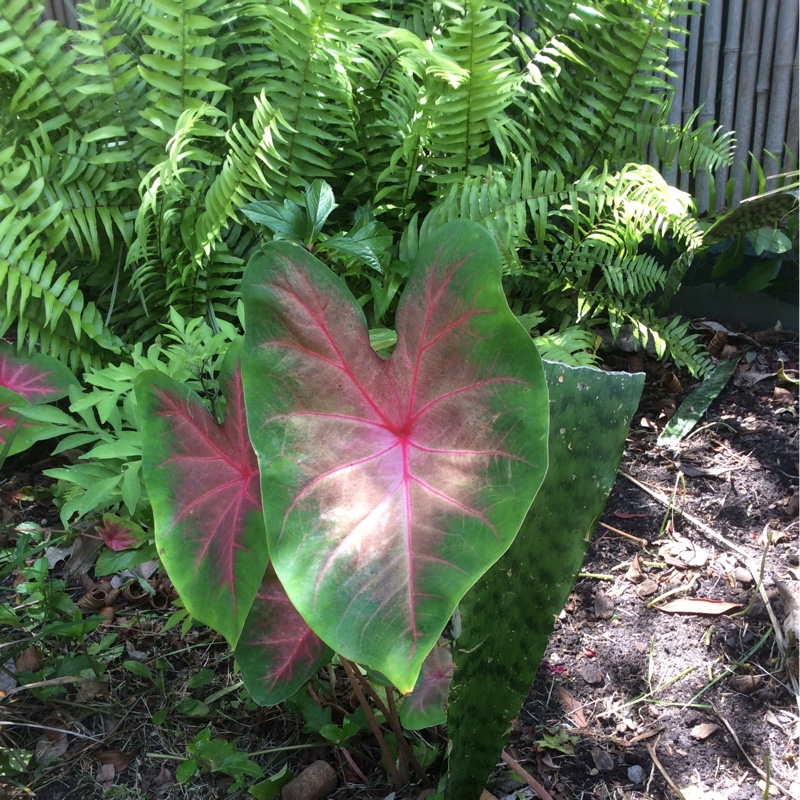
x=38, y=378
x=26, y=380
x=121, y=534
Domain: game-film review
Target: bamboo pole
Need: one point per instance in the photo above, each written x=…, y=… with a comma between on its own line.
x=730, y=74
x=780, y=95
x=793, y=129
x=764, y=86
x=676, y=63
x=746, y=90
x=709, y=70
x=690, y=80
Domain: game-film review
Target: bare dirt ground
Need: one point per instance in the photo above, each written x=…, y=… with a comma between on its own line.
x=636, y=698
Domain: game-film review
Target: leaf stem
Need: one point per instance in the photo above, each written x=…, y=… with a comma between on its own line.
x=350, y=670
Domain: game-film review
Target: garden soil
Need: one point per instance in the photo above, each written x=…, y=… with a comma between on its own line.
x=671, y=671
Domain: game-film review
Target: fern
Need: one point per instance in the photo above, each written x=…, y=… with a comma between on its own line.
x=590, y=70
x=40, y=84
x=252, y=165
x=178, y=66
x=140, y=136
x=45, y=304
x=468, y=116
x=306, y=74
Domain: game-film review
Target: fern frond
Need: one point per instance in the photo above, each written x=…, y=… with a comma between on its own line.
x=670, y=338
x=590, y=70
x=44, y=302
x=39, y=83
x=177, y=66
x=573, y=346
x=106, y=61
x=252, y=165
x=469, y=116
x=305, y=67
x=619, y=209
x=695, y=148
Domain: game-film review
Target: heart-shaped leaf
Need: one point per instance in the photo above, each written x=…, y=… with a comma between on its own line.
x=202, y=479
x=390, y=485
x=277, y=651
x=37, y=377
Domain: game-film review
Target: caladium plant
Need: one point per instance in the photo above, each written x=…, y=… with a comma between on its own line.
x=348, y=502
x=26, y=380
x=387, y=486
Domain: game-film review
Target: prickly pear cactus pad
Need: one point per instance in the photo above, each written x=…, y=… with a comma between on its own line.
x=507, y=617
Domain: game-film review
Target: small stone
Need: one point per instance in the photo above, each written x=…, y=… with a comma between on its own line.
x=592, y=674
x=603, y=606
x=635, y=774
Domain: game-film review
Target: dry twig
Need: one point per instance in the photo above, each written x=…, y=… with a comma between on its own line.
x=526, y=776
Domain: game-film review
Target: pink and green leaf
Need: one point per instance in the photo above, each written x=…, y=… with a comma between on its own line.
x=14, y=430
x=277, y=651
x=202, y=479
x=426, y=706
x=391, y=485
x=121, y=534
x=27, y=380
x=37, y=377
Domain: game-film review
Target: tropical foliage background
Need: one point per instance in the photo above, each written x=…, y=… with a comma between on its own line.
x=132, y=150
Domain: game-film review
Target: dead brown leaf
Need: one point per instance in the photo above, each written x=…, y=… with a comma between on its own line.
x=782, y=397
x=27, y=660
x=572, y=707
x=634, y=572
x=698, y=605
x=703, y=730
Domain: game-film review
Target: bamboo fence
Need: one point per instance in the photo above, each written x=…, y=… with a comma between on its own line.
x=739, y=66
x=738, y=63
